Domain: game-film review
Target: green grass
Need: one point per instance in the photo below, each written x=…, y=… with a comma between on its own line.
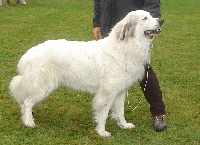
x=66, y=116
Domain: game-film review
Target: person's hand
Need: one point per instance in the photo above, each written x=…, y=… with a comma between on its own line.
x=97, y=33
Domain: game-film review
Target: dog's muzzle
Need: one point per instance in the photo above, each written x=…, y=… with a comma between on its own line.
x=152, y=32
x=156, y=31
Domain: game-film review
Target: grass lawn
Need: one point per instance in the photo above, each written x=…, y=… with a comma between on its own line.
x=66, y=116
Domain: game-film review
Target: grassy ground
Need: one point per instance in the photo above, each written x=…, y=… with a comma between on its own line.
x=175, y=59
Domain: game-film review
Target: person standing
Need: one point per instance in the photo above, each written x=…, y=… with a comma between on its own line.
x=106, y=14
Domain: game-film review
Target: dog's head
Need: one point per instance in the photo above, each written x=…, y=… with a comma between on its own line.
x=138, y=24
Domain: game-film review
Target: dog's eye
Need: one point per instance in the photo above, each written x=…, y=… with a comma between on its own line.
x=144, y=18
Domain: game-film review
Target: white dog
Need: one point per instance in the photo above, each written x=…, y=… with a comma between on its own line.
x=107, y=68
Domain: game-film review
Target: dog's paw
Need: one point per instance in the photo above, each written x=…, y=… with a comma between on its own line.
x=104, y=133
x=28, y=122
x=127, y=126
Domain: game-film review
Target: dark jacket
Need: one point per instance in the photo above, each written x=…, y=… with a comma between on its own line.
x=108, y=12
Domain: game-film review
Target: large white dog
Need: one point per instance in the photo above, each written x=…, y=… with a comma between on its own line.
x=107, y=68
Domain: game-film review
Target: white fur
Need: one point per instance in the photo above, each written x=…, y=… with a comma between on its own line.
x=107, y=68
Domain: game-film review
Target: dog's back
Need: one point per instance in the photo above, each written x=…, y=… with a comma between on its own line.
x=58, y=62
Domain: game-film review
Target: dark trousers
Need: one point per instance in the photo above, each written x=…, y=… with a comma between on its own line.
x=152, y=92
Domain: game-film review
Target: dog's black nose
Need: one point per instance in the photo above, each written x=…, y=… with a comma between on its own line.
x=160, y=21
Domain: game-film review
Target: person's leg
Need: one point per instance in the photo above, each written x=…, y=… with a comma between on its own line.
x=7, y=2
x=151, y=89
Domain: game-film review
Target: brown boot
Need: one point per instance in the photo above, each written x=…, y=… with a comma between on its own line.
x=160, y=123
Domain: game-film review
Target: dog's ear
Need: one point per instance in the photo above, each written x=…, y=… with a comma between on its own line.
x=123, y=31
x=127, y=30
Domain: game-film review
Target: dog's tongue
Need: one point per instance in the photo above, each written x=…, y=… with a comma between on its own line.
x=150, y=32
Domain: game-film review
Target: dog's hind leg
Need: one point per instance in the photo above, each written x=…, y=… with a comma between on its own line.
x=26, y=111
x=102, y=103
x=118, y=112
x=28, y=104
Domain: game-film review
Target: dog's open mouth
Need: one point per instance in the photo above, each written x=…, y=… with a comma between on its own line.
x=152, y=32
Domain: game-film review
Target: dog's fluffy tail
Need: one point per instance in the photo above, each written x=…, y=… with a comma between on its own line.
x=16, y=89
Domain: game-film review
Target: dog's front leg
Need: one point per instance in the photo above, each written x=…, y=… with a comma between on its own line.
x=118, y=112
x=102, y=103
